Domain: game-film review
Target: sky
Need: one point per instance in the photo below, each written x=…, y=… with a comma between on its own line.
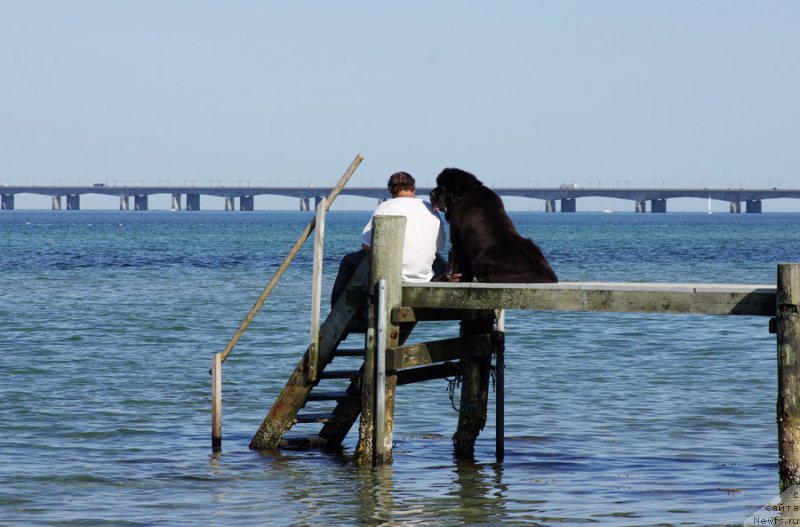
x=698, y=93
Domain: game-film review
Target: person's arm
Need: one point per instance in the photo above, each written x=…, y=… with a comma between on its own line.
x=366, y=234
x=441, y=238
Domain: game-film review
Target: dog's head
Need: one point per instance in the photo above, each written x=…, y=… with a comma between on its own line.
x=451, y=185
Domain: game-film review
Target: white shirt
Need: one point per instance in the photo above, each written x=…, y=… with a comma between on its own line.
x=424, y=235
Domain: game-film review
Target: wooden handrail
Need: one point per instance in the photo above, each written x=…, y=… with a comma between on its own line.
x=709, y=299
x=288, y=259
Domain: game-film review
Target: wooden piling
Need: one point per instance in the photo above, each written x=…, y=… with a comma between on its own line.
x=475, y=373
x=788, y=407
x=386, y=262
x=216, y=402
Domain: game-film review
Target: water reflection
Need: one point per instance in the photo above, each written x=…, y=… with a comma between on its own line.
x=481, y=493
x=376, y=497
x=325, y=488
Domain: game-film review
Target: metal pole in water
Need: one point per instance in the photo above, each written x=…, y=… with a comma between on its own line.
x=380, y=372
x=500, y=364
x=216, y=402
x=316, y=291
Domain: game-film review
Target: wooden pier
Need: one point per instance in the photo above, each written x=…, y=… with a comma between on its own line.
x=387, y=360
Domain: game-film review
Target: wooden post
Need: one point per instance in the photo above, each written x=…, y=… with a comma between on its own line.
x=500, y=365
x=316, y=290
x=386, y=262
x=474, y=390
x=216, y=402
x=788, y=329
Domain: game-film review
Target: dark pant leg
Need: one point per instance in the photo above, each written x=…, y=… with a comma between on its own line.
x=439, y=266
x=347, y=268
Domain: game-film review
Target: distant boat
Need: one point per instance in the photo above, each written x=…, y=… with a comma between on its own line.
x=709, y=211
x=608, y=211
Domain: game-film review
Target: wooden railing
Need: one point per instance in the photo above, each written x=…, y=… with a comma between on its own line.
x=708, y=299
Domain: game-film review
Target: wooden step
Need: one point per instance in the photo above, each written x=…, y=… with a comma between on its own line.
x=303, y=442
x=339, y=374
x=315, y=418
x=356, y=326
x=427, y=373
x=333, y=330
x=333, y=396
x=359, y=352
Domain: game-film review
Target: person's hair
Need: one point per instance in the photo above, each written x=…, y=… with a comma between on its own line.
x=401, y=181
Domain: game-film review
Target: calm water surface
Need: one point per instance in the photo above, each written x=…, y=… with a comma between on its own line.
x=108, y=321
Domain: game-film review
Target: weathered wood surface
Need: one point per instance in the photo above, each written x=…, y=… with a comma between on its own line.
x=788, y=407
x=427, y=373
x=424, y=353
x=387, y=243
x=405, y=314
x=295, y=394
x=346, y=412
x=475, y=371
x=709, y=299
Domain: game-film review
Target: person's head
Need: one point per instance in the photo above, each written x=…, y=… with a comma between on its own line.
x=401, y=181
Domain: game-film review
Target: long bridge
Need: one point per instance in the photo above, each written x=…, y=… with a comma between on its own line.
x=562, y=198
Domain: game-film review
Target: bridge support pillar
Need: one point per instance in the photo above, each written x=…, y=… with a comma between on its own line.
x=641, y=206
x=658, y=205
x=305, y=203
x=7, y=202
x=74, y=202
x=124, y=204
x=317, y=199
x=736, y=207
x=246, y=203
x=568, y=205
x=550, y=205
x=192, y=201
x=753, y=206
x=56, y=203
x=140, y=202
x=229, y=203
x=176, y=202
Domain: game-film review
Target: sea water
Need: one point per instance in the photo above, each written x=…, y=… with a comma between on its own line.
x=109, y=320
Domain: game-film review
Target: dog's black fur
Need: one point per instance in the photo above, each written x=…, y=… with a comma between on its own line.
x=486, y=246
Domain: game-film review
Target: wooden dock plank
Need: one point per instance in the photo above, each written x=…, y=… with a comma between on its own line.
x=709, y=299
x=424, y=353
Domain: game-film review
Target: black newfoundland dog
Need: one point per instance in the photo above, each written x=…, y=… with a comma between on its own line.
x=485, y=245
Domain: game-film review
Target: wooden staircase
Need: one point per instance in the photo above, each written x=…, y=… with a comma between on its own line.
x=341, y=365
x=342, y=321
x=335, y=382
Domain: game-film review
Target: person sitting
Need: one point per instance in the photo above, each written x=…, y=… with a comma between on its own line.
x=424, y=236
